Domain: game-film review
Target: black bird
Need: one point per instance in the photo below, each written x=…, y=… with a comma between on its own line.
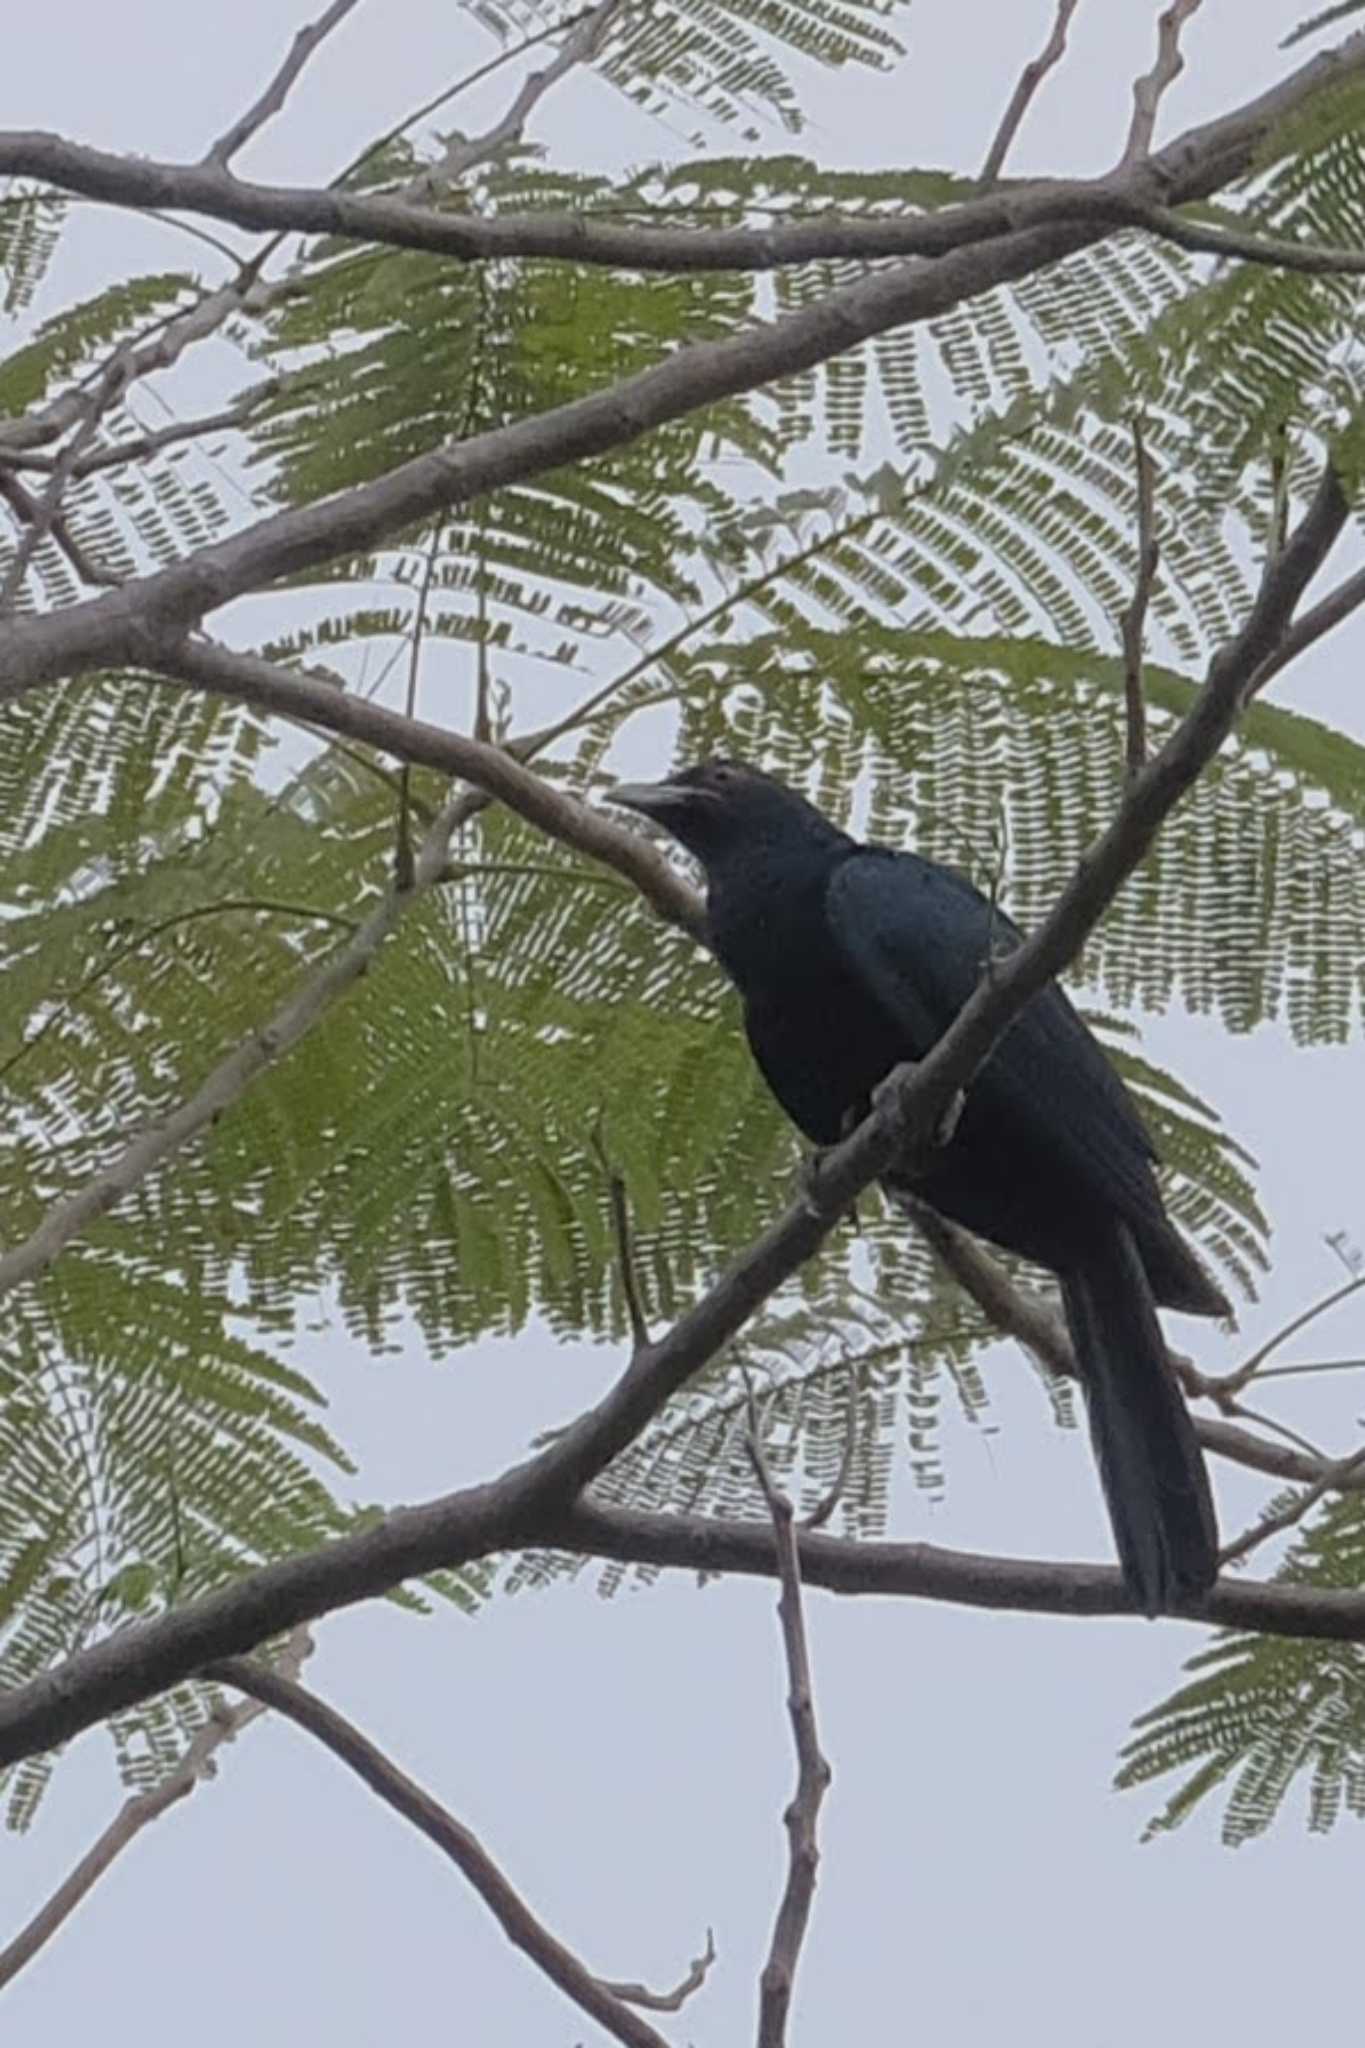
x=851, y=958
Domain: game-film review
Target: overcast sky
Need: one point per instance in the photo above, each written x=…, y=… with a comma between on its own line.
x=628, y=1761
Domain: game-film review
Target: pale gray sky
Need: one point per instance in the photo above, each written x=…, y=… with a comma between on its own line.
x=628, y=1761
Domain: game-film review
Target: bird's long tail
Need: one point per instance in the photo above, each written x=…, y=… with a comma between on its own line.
x=1149, y=1457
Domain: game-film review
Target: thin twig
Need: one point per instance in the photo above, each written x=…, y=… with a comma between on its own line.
x=1228, y=243
x=1322, y=618
x=1291, y=1514
x=698, y=1971
x=232, y=1075
x=60, y=1006
x=1030, y=78
x=1232, y=1383
x=117, y=453
x=812, y=1769
x=277, y=92
x=158, y=348
x=1311, y=1367
x=402, y=852
x=29, y=512
x=199, y=1762
x=1036, y=1324
x=830, y=1500
x=451, y=1837
x=462, y=154
x=1133, y=622
x=625, y=1246
x=1148, y=89
x=45, y=513
x=1305, y=1444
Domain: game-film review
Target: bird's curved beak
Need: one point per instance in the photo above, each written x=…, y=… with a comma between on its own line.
x=651, y=799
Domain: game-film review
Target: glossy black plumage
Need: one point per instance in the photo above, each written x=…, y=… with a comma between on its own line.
x=851, y=959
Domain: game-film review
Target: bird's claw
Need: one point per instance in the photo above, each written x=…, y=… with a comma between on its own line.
x=888, y=1102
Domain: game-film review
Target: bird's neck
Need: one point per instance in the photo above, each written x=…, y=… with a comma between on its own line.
x=764, y=906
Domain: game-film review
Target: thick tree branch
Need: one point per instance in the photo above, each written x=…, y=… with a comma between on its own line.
x=925, y=1571
x=1193, y=167
x=1030, y=78
x=220, y=155
x=451, y=1837
x=496, y=771
x=116, y=628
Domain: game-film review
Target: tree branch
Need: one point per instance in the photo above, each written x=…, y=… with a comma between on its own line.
x=115, y=628
x=277, y=92
x=142, y=445
x=925, y=1571
x=233, y=1074
x=129, y=363
x=698, y=1970
x=1148, y=90
x=199, y=1762
x=1132, y=623
x=812, y=1769
x=1036, y=1324
x=1332, y=1477
x=451, y=1837
x=31, y=514
x=1328, y=613
x=495, y=770
x=1030, y=78
x=1193, y=167
x=462, y=154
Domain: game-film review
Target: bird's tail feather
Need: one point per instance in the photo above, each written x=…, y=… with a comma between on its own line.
x=1149, y=1457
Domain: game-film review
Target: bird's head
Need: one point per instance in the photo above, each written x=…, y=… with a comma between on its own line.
x=721, y=808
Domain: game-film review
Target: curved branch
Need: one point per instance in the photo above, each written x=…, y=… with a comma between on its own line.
x=1195, y=165
x=455, y=1841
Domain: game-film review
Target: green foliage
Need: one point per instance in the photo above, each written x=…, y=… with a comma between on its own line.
x=30, y=225
x=128, y=518
x=927, y=645
x=1267, y=1713
x=724, y=59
